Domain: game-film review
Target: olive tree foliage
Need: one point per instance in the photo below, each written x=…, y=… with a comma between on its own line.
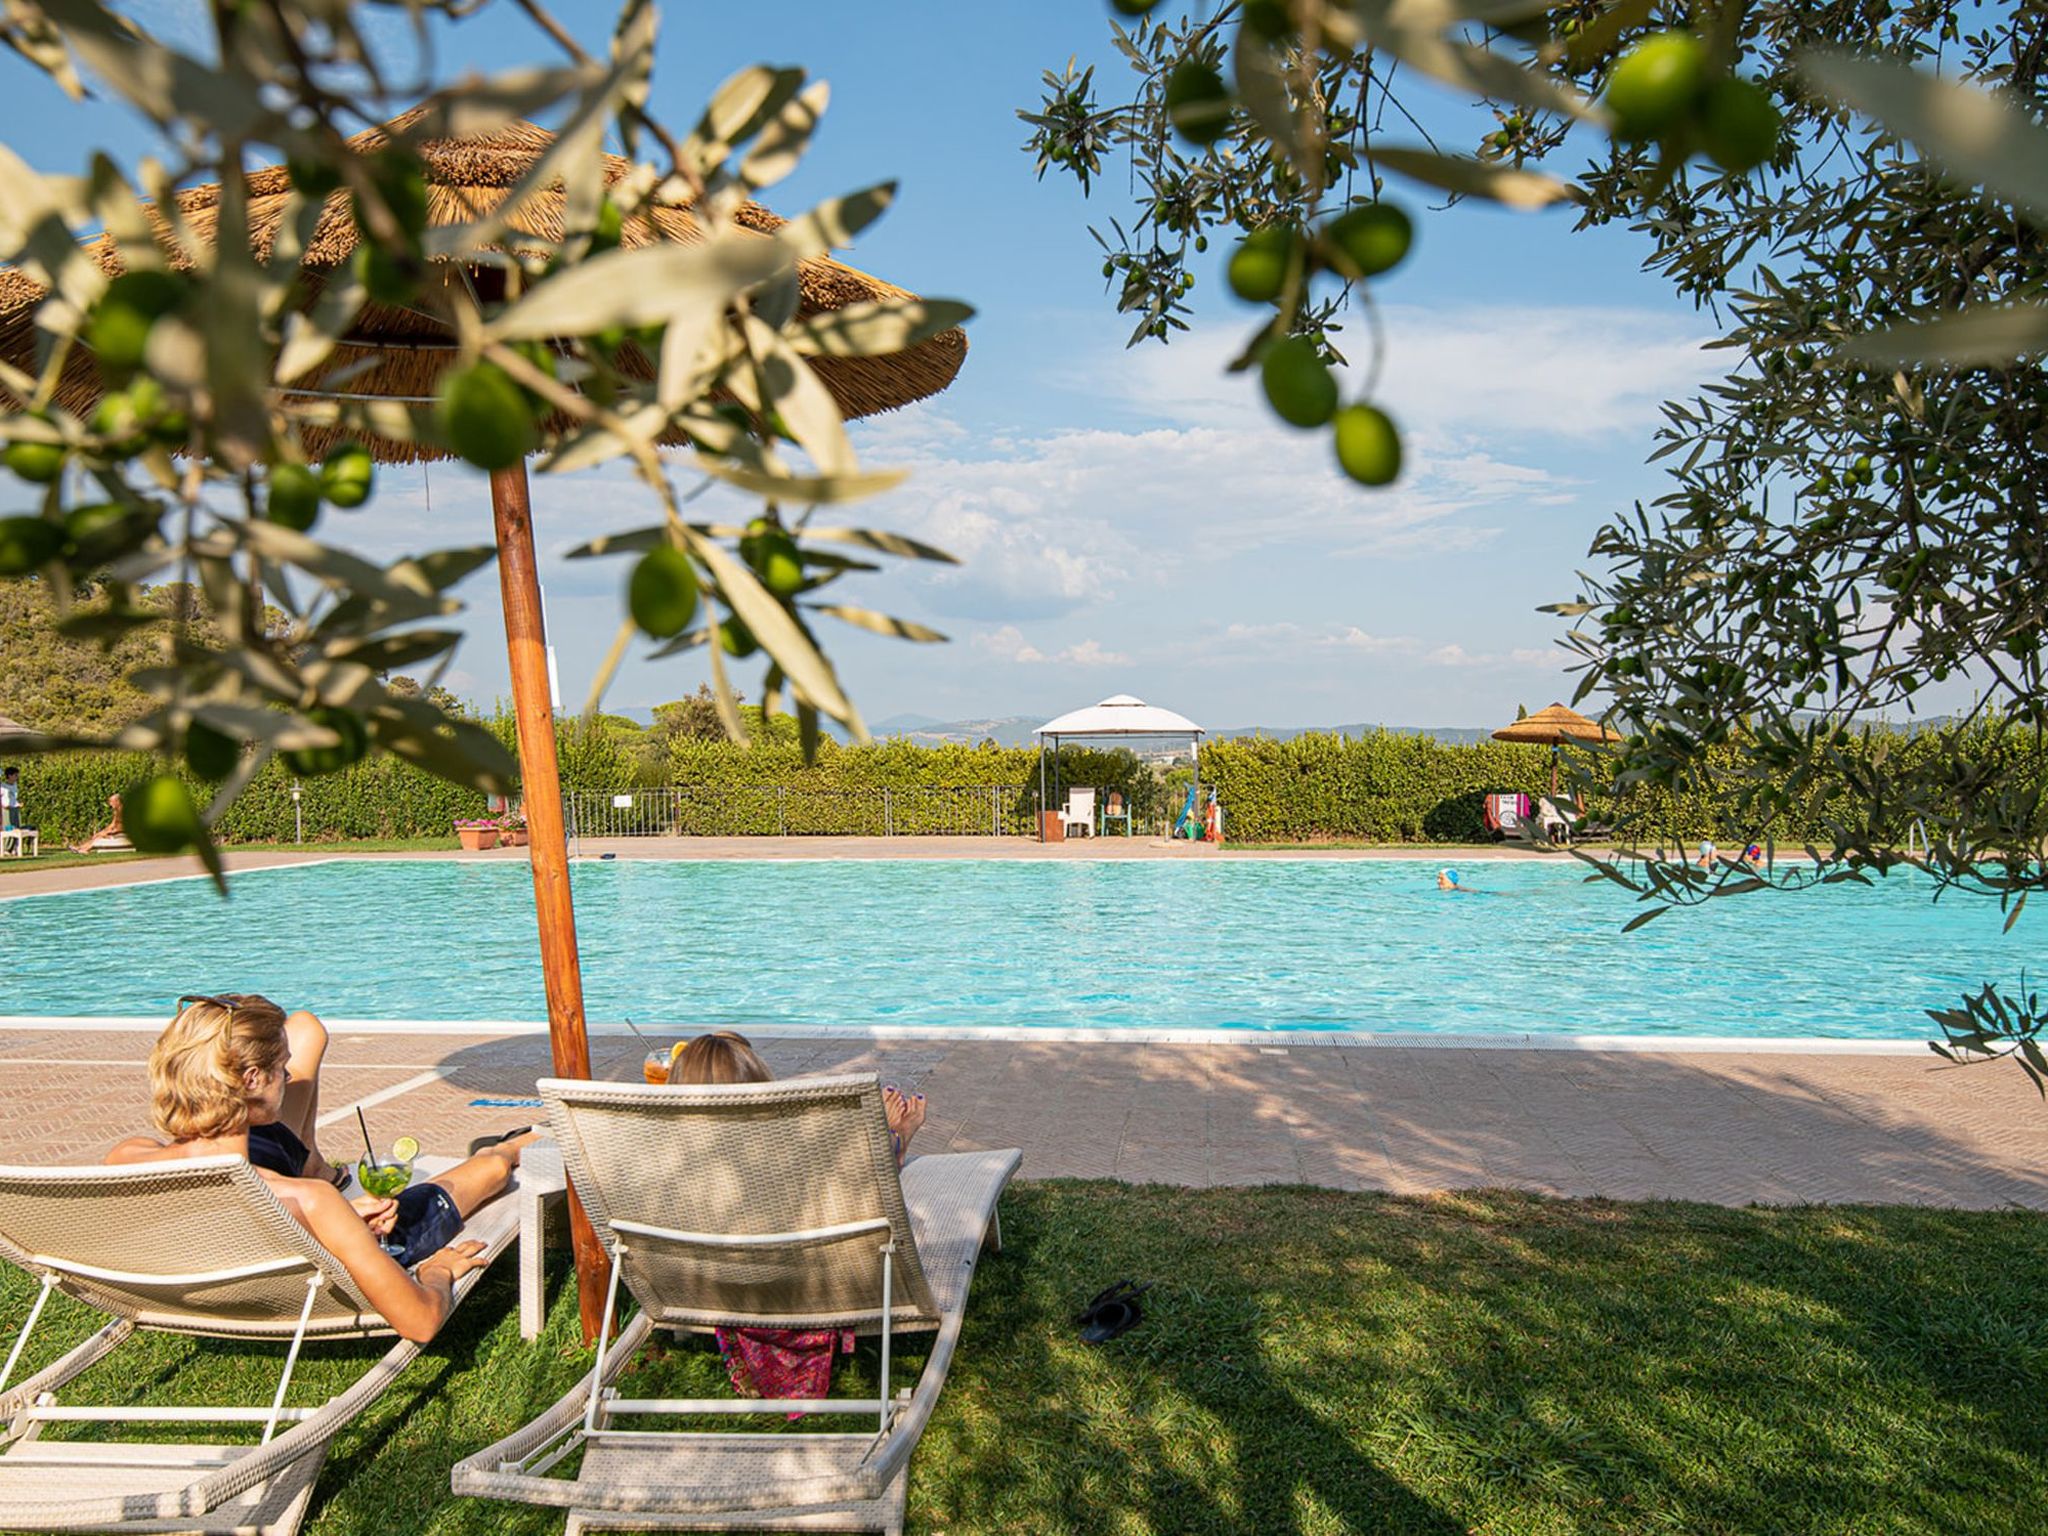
x=191, y=467
x=1854, y=514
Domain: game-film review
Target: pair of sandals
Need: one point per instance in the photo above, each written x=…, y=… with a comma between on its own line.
x=1113, y=1312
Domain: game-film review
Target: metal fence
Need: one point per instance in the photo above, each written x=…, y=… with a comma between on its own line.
x=777, y=810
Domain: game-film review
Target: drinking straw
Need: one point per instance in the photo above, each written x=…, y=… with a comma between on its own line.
x=372, y=1151
x=638, y=1030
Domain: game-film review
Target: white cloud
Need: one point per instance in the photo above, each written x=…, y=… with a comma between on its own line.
x=1051, y=523
x=1287, y=639
x=1009, y=644
x=1473, y=372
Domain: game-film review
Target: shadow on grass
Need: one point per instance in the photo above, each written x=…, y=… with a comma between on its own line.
x=1318, y=1362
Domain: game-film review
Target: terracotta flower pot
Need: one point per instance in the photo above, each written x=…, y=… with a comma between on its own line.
x=476, y=839
x=511, y=839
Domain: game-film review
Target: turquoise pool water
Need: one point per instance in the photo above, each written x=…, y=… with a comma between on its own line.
x=1263, y=944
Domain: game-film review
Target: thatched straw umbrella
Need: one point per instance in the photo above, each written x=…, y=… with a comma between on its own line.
x=402, y=353
x=1554, y=727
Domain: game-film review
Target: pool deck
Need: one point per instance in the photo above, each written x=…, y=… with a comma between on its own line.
x=1731, y=1126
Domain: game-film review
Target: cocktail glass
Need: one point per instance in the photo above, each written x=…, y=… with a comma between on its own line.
x=383, y=1181
x=655, y=1067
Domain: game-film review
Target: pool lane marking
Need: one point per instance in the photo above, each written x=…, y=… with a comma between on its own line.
x=382, y=1096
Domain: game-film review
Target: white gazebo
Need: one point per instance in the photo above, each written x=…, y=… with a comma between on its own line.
x=1118, y=717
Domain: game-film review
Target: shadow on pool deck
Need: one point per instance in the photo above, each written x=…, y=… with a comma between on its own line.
x=1732, y=1129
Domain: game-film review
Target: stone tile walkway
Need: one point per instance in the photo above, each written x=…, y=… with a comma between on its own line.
x=1731, y=1128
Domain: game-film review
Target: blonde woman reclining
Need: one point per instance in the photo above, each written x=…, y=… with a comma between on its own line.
x=228, y=1076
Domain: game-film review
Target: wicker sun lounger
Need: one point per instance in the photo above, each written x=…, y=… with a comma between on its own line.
x=766, y=1205
x=200, y=1247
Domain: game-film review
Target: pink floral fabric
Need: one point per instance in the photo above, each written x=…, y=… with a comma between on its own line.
x=782, y=1362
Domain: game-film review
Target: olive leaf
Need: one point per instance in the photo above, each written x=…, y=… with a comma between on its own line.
x=1411, y=34
x=1510, y=188
x=876, y=329
x=777, y=630
x=835, y=222
x=882, y=543
x=1263, y=89
x=1979, y=138
x=1989, y=335
x=806, y=490
x=784, y=139
x=687, y=285
x=802, y=400
x=879, y=623
x=737, y=110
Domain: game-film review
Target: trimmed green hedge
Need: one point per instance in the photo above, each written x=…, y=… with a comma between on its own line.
x=65, y=796
x=1380, y=788
x=66, y=799
x=739, y=791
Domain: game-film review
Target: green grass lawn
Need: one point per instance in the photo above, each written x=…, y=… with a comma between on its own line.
x=1318, y=1362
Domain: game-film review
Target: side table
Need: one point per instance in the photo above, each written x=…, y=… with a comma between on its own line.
x=542, y=1183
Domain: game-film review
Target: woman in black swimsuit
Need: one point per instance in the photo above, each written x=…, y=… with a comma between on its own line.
x=223, y=1079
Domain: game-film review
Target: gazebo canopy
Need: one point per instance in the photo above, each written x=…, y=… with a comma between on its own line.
x=1120, y=715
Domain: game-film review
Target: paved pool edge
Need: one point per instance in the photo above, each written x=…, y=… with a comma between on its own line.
x=1784, y=1045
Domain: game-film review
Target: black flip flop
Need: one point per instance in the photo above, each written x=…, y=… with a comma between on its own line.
x=491, y=1141
x=1115, y=1311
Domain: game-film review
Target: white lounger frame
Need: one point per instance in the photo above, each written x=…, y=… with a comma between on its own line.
x=605, y=1401
x=278, y=1470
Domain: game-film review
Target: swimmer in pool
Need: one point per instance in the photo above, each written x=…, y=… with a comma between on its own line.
x=1447, y=880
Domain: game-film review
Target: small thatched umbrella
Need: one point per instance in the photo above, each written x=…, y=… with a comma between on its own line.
x=402, y=353
x=12, y=728
x=1553, y=727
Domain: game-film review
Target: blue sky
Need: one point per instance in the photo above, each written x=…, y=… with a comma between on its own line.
x=1129, y=521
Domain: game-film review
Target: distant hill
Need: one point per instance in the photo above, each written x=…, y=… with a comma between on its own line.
x=1008, y=731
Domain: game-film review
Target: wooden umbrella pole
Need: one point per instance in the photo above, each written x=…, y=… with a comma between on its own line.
x=541, y=795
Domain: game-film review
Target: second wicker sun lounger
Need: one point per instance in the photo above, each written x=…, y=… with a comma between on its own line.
x=757, y=1205
x=200, y=1247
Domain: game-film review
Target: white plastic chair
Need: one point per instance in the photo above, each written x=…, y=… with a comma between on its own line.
x=1079, y=812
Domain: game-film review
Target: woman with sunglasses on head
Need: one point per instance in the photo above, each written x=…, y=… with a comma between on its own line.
x=231, y=1074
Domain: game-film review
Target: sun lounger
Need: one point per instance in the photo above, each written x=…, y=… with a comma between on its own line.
x=766, y=1205
x=200, y=1247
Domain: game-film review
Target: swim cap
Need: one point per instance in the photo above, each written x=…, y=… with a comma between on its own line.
x=1451, y=875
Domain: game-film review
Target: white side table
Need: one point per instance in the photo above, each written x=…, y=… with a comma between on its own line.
x=27, y=843
x=541, y=1182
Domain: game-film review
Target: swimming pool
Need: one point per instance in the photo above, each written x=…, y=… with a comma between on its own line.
x=1265, y=944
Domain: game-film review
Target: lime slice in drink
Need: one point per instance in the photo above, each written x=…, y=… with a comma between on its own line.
x=383, y=1180
x=404, y=1150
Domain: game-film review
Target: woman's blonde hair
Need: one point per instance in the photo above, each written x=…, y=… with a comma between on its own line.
x=196, y=1072
x=723, y=1056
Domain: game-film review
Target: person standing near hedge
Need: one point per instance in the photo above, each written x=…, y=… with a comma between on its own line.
x=10, y=800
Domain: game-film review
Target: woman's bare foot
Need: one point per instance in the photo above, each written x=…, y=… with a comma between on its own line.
x=905, y=1112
